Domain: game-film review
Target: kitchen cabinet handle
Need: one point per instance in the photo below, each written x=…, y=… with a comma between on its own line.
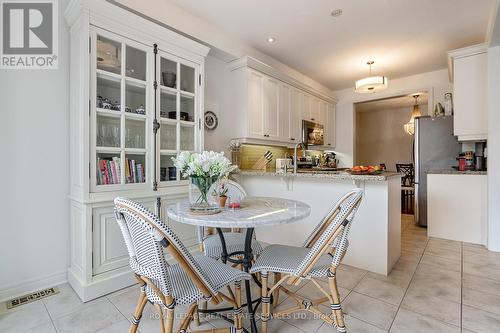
x=329, y=144
x=312, y=119
x=293, y=139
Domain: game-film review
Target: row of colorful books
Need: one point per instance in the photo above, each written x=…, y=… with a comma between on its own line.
x=109, y=171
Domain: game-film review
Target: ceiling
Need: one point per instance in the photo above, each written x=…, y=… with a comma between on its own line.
x=401, y=102
x=403, y=37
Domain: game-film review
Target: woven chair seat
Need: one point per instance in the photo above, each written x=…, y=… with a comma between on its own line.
x=284, y=259
x=184, y=290
x=234, y=242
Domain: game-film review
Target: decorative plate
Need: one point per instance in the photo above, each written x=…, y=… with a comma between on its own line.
x=211, y=121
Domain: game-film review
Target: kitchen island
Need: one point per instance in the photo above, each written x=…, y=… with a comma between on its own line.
x=375, y=236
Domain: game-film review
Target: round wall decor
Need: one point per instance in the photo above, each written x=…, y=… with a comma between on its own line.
x=211, y=121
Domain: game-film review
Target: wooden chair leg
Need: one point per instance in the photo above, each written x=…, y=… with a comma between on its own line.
x=170, y=321
x=161, y=318
x=138, y=312
x=337, y=314
x=276, y=293
x=265, y=302
x=238, y=311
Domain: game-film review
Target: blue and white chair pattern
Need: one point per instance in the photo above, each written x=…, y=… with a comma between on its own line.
x=319, y=257
x=191, y=279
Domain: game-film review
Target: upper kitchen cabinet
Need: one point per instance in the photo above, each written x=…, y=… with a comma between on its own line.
x=469, y=72
x=330, y=126
x=272, y=105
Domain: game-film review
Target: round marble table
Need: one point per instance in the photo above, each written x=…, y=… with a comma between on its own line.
x=254, y=212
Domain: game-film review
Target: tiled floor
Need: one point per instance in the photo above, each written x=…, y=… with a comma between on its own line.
x=437, y=286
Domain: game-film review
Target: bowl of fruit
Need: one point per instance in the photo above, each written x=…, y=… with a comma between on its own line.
x=366, y=170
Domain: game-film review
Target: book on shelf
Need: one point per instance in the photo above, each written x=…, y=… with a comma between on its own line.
x=109, y=171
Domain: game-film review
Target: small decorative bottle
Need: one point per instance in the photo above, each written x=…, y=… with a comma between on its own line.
x=448, y=104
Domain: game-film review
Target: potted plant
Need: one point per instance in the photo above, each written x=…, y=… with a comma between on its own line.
x=221, y=193
x=203, y=170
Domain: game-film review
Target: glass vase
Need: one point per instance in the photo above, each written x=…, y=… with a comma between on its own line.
x=199, y=195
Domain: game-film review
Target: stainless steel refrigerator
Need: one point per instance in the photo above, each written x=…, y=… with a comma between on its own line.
x=436, y=148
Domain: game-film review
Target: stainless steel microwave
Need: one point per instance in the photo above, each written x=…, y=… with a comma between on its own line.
x=313, y=133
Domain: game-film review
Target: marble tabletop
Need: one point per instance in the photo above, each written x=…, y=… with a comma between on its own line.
x=254, y=212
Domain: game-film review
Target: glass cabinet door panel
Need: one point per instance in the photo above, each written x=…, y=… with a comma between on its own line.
x=187, y=108
x=108, y=94
x=135, y=133
x=187, y=78
x=168, y=105
x=187, y=137
x=108, y=167
x=107, y=131
x=135, y=98
x=168, y=172
x=135, y=63
x=168, y=73
x=135, y=168
x=109, y=55
x=168, y=136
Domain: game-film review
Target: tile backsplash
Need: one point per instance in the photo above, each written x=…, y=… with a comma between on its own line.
x=249, y=154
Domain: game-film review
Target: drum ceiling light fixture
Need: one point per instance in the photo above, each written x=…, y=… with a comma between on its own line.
x=371, y=84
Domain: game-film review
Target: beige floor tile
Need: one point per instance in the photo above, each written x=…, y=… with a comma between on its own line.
x=445, y=243
x=410, y=256
x=443, y=252
x=353, y=325
x=65, y=302
x=304, y=321
x=479, y=283
x=419, y=301
x=440, y=262
x=480, y=321
x=90, y=319
x=474, y=248
x=483, y=270
x=45, y=328
x=411, y=322
x=370, y=310
x=119, y=327
x=406, y=266
x=311, y=291
x=400, y=278
x=480, y=300
x=385, y=291
x=433, y=281
x=348, y=277
x=23, y=318
x=280, y=326
x=126, y=300
x=490, y=259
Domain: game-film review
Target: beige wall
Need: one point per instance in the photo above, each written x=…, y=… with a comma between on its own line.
x=380, y=137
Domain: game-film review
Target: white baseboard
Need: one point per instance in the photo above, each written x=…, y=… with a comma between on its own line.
x=30, y=285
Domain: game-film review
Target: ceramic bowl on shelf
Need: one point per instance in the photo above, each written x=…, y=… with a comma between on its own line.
x=169, y=79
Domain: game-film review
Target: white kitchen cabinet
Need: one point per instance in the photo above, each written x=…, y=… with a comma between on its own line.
x=271, y=112
x=469, y=93
x=295, y=116
x=330, y=126
x=271, y=106
x=255, y=104
x=121, y=88
x=464, y=222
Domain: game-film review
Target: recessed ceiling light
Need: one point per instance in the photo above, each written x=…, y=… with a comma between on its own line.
x=271, y=39
x=336, y=12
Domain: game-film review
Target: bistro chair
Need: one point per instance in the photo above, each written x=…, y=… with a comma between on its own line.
x=189, y=280
x=407, y=187
x=210, y=242
x=318, y=258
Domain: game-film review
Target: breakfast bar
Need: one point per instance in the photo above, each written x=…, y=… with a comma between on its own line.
x=375, y=236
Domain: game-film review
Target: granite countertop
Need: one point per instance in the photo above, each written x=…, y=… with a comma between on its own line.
x=456, y=172
x=341, y=175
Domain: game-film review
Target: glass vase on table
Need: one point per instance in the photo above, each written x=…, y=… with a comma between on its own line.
x=199, y=195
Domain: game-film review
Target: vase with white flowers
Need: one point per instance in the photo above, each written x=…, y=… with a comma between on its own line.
x=203, y=170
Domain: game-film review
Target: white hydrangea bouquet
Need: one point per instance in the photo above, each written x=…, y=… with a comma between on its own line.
x=203, y=169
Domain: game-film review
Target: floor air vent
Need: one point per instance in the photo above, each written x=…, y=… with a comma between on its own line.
x=31, y=297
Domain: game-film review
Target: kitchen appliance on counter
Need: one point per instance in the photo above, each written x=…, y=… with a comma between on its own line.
x=283, y=165
x=436, y=148
x=312, y=133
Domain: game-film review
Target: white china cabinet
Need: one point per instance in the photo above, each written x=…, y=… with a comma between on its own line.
x=135, y=102
x=272, y=105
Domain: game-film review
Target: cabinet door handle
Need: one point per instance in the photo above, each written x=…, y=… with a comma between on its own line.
x=293, y=139
x=329, y=144
x=312, y=119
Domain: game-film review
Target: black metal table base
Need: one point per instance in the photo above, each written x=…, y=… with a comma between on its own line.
x=246, y=261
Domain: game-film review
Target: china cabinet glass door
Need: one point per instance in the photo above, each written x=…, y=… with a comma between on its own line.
x=177, y=112
x=121, y=111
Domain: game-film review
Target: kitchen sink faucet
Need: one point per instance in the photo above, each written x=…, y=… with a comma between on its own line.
x=304, y=147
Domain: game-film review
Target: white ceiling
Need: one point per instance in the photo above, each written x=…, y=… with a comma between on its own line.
x=401, y=102
x=403, y=37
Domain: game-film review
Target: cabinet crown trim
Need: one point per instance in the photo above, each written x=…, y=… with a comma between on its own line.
x=264, y=68
x=462, y=53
